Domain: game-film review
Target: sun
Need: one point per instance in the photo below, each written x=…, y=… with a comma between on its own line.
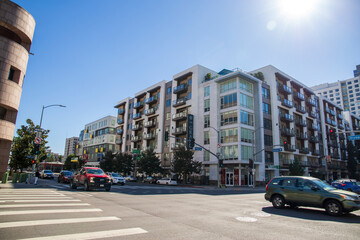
x=297, y=8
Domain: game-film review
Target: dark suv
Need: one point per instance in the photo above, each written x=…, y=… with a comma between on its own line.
x=312, y=192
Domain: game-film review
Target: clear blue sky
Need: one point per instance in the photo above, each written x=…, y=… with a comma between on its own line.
x=90, y=54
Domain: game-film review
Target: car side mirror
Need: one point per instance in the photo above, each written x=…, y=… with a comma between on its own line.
x=314, y=188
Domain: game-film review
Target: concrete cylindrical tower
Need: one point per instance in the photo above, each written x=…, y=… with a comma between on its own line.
x=16, y=33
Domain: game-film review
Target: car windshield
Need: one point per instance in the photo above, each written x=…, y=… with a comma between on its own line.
x=67, y=173
x=324, y=185
x=47, y=171
x=95, y=171
x=115, y=175
x=357, y=183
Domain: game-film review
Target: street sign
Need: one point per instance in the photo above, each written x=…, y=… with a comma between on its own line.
x=355, y=137
x=198, y=149
x=37, y=140
x=136, y=151
x=277, y=150
x=38, y=134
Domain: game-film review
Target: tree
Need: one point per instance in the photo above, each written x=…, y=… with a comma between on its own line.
x=259, y=75
x=149, y=163
x=123, y=163
x=295, y=169
x=108, y=163
x=71, y=166
x=184, y=164
x=23, y=145
x=352, y=162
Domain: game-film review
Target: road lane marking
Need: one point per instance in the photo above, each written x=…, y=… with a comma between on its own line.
x=43, y=205
x=55, y=221
x=93, y=235
x=32, y=195
x=246, y=219
x=24, y=197
x=6, y=213
x=45, y=200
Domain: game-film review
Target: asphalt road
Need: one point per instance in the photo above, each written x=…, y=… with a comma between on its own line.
x=141, y=211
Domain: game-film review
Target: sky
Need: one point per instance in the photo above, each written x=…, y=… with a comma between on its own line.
x=90, y=54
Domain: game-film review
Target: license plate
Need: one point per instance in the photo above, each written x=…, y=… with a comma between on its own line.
x=101, y=185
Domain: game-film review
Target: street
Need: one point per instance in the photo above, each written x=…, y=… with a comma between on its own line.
x=143, y=211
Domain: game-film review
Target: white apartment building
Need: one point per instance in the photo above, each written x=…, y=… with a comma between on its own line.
x=70, y=146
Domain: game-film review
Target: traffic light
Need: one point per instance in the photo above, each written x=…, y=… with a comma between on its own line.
x=251, y=163
x=221, y=163
x=36, y=149
x=285, y=142
x=192, y=143
x=33, y=161
x=166, y=136
x=332, y=133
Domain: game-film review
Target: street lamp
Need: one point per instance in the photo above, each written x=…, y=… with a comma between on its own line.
x=42, y=112
x=217, y=155
x=253, y=158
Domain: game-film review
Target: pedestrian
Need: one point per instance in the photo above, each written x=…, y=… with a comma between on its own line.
x=37, y=175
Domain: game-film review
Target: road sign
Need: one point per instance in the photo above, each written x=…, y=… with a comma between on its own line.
x=219, y=145
x=355, y=137
x=277, y=150
x=198, y=149
x=38, y=134
x=136, y=151
x=37, y=140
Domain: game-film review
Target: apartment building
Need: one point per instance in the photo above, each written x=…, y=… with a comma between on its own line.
x=16, y=33
x=96, y=139
x=269, y=122
x=345, y=93
x=70, y=146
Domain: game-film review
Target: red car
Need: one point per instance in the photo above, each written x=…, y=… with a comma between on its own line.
x=65, y=176
x=91, y=178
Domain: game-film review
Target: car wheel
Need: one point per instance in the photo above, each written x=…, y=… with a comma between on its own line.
x=278, y=201
x=333, y=208
x=86, y=186
x=107, y=189
x=122, y=184
x=349, y=189
x=72, y=185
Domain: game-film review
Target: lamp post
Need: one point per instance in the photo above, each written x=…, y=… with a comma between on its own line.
x=217, y=154
x=253, y=159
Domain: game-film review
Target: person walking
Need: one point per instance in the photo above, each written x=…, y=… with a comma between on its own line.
x=37, y=175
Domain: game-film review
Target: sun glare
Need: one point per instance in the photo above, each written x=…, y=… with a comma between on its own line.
x=297, y=8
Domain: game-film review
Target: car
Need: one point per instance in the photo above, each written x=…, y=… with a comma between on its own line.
x=47, y=174
x=65, y=176
x=150, y=180
x=130, y=179
x=91, y=178
x=167, y=181
x=312, y=192
x=116, y=178
x=347, y=184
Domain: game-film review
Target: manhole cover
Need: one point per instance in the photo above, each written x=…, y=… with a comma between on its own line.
x=246, y=219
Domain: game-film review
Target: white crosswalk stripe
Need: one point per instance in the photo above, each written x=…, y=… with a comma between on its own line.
x=43, y=200
x=43, y=205
x=7, y=213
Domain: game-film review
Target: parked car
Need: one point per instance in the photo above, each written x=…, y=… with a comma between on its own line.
x=167, y=181
x=65, y=176
x=47, y=174
x=130, y=179
x=312, y=192
x=150, y=180
x=116, y=178
x=91, y=178
x=347, y=184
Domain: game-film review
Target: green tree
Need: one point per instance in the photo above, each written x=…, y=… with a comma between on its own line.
x=352, y=162
x=23, y=145
x=184, y=165
x=123, y=163
x=149, y=163
x=107, y=164
x=295, y=168
x=71, y=166
x=259, y=75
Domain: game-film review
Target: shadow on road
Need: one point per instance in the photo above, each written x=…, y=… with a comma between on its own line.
x=312, y=214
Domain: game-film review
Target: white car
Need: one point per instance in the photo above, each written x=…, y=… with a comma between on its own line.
x=167, y=181
x=116, y=178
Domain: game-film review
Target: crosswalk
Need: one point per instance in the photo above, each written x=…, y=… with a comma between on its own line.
x=49, y=212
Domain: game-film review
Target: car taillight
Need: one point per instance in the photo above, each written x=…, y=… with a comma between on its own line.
x=267, y=185
x=343, y=184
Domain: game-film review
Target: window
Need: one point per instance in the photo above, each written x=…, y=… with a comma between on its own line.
x=247, y=135
x=247, y=118
x=229, y=135
x=331, y=95
x=189, y=96
x=2, y=113
x=169, y=90
x=246, y=86
x=336, y=90
x=206, y=156
x=168, y=116
x=230, y=152
x=206, y=137
x=348, y=83
x=324, y=92
x=228, y=101
x=14, y=74
x=356, y=85
x=207, y=91
x=267, y=124
x=331, y=91
x=228, y=85
x=266, y=108
x=168, y=102
x=246, y=152
x=246, y=101
x=228, y=118
x=206, y=121
x=206, y=105
x=350, y=87
x=268, y=140
x=190, y=82
x=265, y=93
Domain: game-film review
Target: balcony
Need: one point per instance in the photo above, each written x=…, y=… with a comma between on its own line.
x=314, y=164
x=341, y=136
x=298, y=96
x=179, y=116
x=152, y=99
x=304, y=163
x=315, y=153
x=300, y=122
x=287, y=132
x=136, y=127
x=333, y=144
x=180, y=89
x=328, y=120
x=340, y=116
x=285, y=89
x=332, y=112
x=118, y=141
x=137, y=116
x=286, y=102
x=149, y=136
x=148, y=148
x=287, y=117
x=304, y=150
x=333, y=122
x=341, y=126
x=327, y=109
x=290, y=148
x=301, y=136
x=119, y=131
x=335, y=155
x=139, y=104
x=179, y=130
x=313, y=114
x=343, y=146
x=179, y=102
x=312, y=102
x=347, y=127
x=285, y=162
x=151, y=123
x=121, y=111
x=150, y=111
x=136, y=138
x=314, y=139
x=313, y=126
x=300, y=108
x=176, y=146
x=120, y=121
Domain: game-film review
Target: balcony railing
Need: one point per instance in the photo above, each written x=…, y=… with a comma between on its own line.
x=138, y=104
x=148, y=136
x=312, y=102
x=315, y=153
x=284, y=162
x=287, y=132
x=304, y=150
x=179, y=102
x=119, y=131
x=179, y=116
x=328, y=120
x=313, y=114
x=287, y=117
x=121, y=111
x=136, y=127
x=151, y=99
x=333, y=144
x=286, y=102
x=150, y=111
x=300, y=122
x=335, y=155
x=302, y=136
x=313, y=126
x=137, y=116
x=285, y=89
x=340, y=116
x=118, y=141
x=298, y=96
x=327, y=109
x=179, y=130
x=120, y=121
x=177, y=145
x=341, y=126
x=136, y=138
x=181, y=88
x=300, y=108
x=151, y=123
x=290, y=148
x=347, y=128
x=314, y=139
x=332, y=112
